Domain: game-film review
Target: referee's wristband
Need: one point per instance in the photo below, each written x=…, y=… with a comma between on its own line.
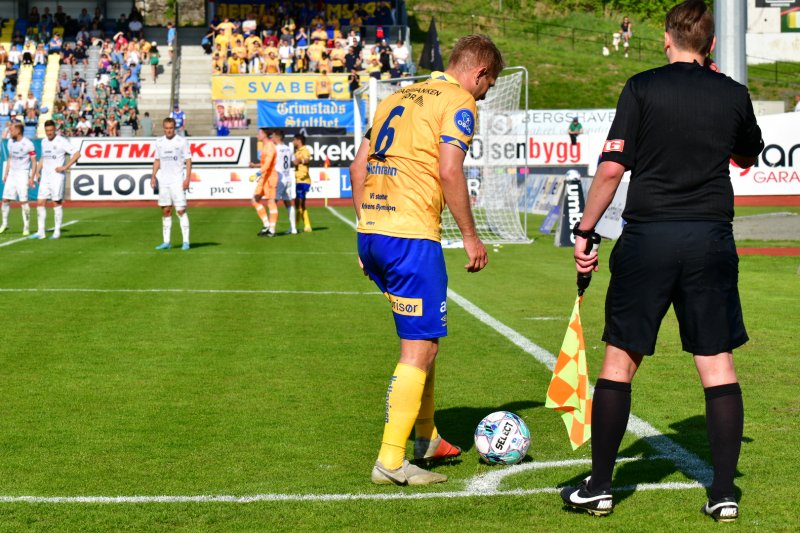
x=585, y=234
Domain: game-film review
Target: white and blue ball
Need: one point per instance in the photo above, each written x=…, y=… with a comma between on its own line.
x=502, y=438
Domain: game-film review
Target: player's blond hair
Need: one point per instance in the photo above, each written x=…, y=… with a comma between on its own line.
x=476, y=51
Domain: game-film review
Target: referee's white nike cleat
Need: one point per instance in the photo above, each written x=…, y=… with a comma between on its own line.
x=164, y=246
x=724, y=510
x=407, y=474
x=3, y=229
x=598, y=503
x=36, y=236
x=185, y=246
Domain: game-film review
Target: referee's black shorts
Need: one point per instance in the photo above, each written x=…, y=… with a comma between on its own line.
x=692, y=265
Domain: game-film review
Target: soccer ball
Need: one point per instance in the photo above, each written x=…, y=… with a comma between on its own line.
x=502, y=438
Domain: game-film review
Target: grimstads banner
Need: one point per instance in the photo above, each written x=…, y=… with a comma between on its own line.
x=308, y=114
x=239, y=9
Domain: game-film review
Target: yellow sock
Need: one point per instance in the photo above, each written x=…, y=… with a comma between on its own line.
x=298, y=215
x=262, y=214
x=402, y=407
x=306, y=220
x=424, y=427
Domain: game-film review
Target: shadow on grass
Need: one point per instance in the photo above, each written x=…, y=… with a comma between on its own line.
x=457, y=424
x=689, y=433
x=203, y=244
x=85, y=235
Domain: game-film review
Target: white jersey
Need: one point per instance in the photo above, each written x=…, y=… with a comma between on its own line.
x=53, y=155
x=172, y=153
x=19, y=155
x=283, y=161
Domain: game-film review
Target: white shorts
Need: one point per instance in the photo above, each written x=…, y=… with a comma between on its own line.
x=52, y=188
x=16, y=189
x=286, y=190
x=171, y=195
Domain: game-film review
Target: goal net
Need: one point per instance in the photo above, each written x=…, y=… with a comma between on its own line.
x=496, y=164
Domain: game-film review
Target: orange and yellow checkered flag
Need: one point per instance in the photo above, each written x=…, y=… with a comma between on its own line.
x=569, y=387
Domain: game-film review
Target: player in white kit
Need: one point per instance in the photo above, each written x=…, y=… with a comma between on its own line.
x=18, y=176
x=286, y=184
x=50, y=173
x=174, y=162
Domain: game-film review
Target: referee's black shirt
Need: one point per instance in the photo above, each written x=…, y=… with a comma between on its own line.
x=675, y=129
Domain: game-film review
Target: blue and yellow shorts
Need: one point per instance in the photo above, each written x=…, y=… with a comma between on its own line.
x=412, y=275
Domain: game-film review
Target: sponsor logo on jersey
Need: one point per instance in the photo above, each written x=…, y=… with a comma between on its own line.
x=614, y=145
x=465, y=121
x=406, y=306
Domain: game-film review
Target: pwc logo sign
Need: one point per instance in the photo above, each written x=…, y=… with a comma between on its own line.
x=133, y=153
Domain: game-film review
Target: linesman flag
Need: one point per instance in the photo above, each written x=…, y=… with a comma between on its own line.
x=569, y=387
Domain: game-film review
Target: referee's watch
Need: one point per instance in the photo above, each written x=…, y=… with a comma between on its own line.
x=585, y=234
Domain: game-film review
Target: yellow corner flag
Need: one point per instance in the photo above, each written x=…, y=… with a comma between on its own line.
x=569, y=387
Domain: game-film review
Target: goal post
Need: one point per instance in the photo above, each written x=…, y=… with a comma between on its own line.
x=495, y=176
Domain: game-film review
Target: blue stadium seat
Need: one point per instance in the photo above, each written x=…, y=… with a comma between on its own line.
x=3, y=121
x=29, y=132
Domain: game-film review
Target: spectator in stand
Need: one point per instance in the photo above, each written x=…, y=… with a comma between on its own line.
x=374, y=65
x=17, y=39
x=80, y=54
x=386, y=60
x=400, y=55
x=218, y=65
x=300, y=60
x=172, y=34
x=19, y=105
x=354, y=81
x=31, y=109
x=27, y=53
x=314, y=53
x=74, y=91
x=3, y=55
x=112, y=125
x=122, y=24
x=33, y=17
x=285, y=55
x=68, y=54
x=63, y=84
x=323, y=85
x=135, y=26
x=236, y=65
x=356, y=22
x=271, y=40
x=301, y=39
x=337, y=58
x=132, y=81
x=84, y=19
x=154, y=59
x=319, y=34
x=45, y=26
x=14, y=56
x=10, y=81
x=325, y=63
x=40, y=57
x=147, y=125
x=98, y=126
x=272, y=64
x=60, y=18
x=350, y=59
x=354, y=40
x=207, y=42
x=83, y=35
x=55, y=44
x=83, y=127
x=81, y=82
x=286, y=35
x=5, y=106
x=383, y=15
x=180, y=120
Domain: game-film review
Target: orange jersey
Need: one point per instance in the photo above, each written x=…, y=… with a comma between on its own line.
x=402, y=193
x=268, y=171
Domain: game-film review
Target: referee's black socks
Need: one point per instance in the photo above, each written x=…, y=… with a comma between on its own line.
x=611, y=407
x=724, y=422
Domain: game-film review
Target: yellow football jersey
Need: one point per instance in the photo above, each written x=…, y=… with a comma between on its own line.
x=403, y=195
x=301, y=173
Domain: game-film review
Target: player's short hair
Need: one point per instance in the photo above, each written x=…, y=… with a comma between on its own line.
x=169, y=120
x=49, y=123
x=690, y=24
x=301, y=137
x=278, y=134
x=266, y=131
x=17, y=126
x=477, y=51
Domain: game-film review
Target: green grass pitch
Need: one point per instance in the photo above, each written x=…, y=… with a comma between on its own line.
x=250, y=366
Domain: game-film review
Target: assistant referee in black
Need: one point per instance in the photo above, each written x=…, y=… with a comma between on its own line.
x=676, y=128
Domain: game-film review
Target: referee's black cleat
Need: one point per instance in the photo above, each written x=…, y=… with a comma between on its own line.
x=598, y=503
x=723, y=510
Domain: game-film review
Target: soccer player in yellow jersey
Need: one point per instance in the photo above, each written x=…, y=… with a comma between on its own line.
x=406, y=170
x=267, y=184
x=302, y=157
